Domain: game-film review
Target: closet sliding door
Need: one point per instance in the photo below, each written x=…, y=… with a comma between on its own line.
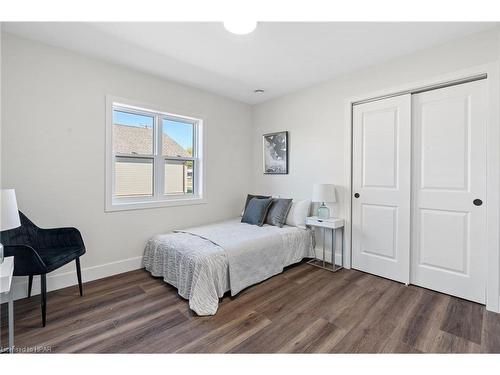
x=426, y=151
x=381, y=187
x=449, y=190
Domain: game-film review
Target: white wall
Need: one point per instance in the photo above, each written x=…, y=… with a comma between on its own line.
x=316, y=118
x=53, y=139
x=53, y=113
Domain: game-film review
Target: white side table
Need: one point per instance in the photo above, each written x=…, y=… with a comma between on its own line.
x=6, y=272
x=333, y=224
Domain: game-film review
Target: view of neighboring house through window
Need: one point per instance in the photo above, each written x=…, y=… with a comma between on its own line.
x=133, y=146
x=156, y=156
x=178, y=151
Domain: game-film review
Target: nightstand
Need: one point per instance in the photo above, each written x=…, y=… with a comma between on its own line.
x=333, y=224
x=6, y=272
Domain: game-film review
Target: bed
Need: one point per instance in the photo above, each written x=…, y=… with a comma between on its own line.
x=205, y=262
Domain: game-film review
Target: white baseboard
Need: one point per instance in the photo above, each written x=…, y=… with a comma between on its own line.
x=328, y=255
x=63, y=280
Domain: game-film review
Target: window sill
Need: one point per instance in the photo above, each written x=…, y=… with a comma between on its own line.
x=127, y=206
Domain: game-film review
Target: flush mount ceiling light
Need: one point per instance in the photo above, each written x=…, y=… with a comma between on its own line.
x=258, y=91
x=240, y=27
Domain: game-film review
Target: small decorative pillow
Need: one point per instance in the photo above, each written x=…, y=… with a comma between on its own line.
x=256, y=211
x=298, y=214
x=278, y=211
x=250, y=196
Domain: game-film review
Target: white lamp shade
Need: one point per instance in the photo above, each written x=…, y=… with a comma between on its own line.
x=10, y=215
x=324, y=193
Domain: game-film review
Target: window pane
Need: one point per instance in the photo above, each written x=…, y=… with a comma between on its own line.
x=132, y=133
x=133, y=177
x=179, y=177
x=177, y=138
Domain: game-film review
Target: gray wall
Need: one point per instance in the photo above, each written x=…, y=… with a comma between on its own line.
x=316, y=118
x=53, y=151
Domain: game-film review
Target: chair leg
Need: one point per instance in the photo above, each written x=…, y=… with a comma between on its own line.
x=30, y=285
x=79, y=275
x=43, y=279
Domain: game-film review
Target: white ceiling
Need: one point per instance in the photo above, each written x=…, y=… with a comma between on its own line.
x=279, y=57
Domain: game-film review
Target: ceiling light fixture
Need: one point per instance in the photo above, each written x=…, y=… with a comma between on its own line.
x=240, y=27
x=258, y=91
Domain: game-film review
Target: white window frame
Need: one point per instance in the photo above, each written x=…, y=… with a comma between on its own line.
x=158, y=199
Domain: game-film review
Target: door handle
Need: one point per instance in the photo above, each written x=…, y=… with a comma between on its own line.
x=356, y=195
x=477, y=202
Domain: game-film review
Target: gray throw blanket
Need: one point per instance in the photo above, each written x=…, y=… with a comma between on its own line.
x=255, y=253
x=200, y=262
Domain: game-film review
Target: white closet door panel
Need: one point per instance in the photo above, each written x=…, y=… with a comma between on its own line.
x=379, y=137
x=381, y=177
x=379, y=225
x=445, y=120
x=450, y=250
x=448, y=246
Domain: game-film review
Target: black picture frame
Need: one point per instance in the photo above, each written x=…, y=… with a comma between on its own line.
x=275, y=153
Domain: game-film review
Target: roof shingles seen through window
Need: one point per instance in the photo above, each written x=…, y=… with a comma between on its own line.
x=137, y=140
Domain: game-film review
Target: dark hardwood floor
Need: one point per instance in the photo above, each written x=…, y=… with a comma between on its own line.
x=303, y=310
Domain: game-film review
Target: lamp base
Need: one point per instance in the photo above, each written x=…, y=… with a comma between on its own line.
x=323, y=211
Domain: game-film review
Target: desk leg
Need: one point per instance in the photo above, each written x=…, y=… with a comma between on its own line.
x=324, y=245
x=334, y=242
x=11, y=321
x=321, y=263
x=342, y=249
x=336, y=268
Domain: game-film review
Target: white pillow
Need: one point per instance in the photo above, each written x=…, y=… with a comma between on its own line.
x=298, y=213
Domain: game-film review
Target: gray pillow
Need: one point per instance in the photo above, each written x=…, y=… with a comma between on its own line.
x=278, y=211
x=256, y=211
x=250, y=196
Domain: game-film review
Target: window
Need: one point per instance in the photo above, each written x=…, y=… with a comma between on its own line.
x=154, y=157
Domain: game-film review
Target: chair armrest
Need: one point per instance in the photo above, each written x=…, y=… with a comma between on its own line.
x=59, y=237
x=26, y=260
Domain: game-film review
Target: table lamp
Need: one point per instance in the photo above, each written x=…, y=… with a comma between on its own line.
x=9, y=218
x=323, y=193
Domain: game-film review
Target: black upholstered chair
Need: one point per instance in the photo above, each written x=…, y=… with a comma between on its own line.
x=39, y=251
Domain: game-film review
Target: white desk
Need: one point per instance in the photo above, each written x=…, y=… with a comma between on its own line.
x=333, y=224
x=6, y=272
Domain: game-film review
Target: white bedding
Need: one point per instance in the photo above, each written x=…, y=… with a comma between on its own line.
x=205, y=262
